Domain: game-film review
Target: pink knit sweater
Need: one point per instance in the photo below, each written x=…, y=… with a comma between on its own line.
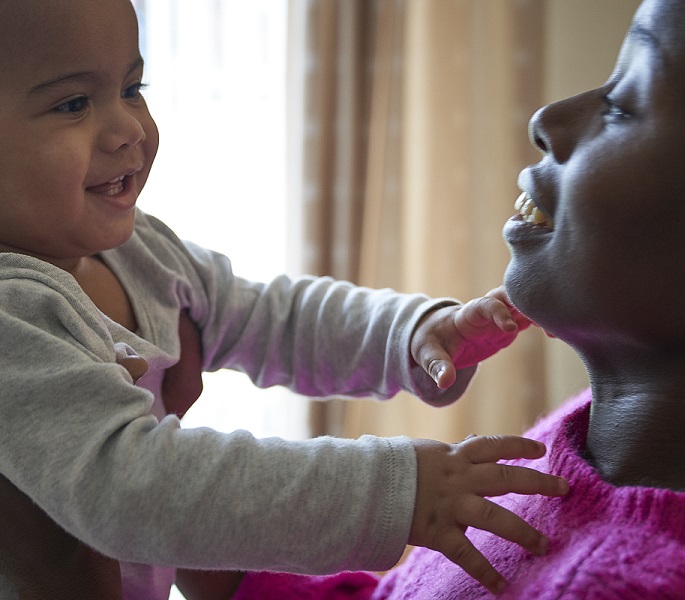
x=622, y=543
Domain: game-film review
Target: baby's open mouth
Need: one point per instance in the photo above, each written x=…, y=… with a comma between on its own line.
x=111, y=188
x=526, y=207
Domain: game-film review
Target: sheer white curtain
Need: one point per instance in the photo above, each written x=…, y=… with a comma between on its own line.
x=216, y=71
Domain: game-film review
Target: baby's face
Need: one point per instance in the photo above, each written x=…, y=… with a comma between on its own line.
x=608, y=257
x=76, y=135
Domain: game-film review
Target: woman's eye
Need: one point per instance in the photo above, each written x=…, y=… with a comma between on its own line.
x=613, y=111
x=73, y=106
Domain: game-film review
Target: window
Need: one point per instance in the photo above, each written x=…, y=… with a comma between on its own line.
x=217, y=72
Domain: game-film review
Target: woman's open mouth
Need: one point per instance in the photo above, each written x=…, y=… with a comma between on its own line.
x=526, y=207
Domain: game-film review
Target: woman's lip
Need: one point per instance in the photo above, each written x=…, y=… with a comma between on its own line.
x=517, y=231
x=537, y=184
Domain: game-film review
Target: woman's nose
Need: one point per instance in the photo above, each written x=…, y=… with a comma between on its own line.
x=556, y=128
x=537, y=129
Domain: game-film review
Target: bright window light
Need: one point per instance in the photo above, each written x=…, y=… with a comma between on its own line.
x=216, y=71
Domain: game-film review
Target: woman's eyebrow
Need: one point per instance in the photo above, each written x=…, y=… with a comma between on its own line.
x=641, y=34
x=78, y=76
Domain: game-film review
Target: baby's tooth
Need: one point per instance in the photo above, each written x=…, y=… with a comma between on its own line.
x=527, y=208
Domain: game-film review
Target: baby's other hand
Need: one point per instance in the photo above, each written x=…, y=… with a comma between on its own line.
x=452, y=482
x=456, y=337
x=126, y=357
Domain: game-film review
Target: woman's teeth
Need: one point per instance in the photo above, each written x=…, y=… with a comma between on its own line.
x=525, y=206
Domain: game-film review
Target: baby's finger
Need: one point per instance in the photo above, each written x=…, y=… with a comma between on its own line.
x=465, y=554
x=126, y=356
x=500, y=313
x=135, y=365
x=496, y=480
x=501, y=294
x=437, y=363
x=521, y=320
x=488, y=309
x=492, y=448
x=488, y=516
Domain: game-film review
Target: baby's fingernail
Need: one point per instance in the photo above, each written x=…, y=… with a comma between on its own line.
x=506, y=323
x=438, y=375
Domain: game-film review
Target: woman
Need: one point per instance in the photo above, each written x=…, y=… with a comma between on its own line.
x=603, y=270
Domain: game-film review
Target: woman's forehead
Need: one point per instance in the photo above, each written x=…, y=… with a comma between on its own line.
x=665, y=19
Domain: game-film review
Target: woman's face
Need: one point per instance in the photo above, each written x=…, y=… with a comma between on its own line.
x=607, y=260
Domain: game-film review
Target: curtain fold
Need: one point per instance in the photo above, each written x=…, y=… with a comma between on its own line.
x=413, y=132
x=336, y=69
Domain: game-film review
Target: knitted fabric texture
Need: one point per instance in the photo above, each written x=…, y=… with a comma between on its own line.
x=607, y=542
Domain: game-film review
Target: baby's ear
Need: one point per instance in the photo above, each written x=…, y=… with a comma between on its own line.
x=126, y=357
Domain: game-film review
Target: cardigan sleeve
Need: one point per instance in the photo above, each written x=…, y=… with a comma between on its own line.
x=78, y=437
x=317, y=336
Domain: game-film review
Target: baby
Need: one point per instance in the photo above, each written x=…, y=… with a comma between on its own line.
x=108, y=320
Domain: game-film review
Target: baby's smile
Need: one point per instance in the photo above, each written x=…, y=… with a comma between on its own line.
x=111, y=188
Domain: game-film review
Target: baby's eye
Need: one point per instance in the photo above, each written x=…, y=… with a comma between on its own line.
x=133, y=92
x=613, y=111
x=73, y=106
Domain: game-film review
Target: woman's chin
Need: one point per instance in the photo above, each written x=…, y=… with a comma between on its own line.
x=530, y=297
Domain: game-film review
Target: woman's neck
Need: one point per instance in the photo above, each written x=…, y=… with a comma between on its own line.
x=636, y=434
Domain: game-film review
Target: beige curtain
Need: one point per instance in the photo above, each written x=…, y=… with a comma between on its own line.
x=414, y=130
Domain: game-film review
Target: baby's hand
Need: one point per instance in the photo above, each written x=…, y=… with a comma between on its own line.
x=452, y=480
x=458, y=337
x=127, y=358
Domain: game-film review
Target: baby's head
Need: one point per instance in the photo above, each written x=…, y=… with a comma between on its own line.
x=78, y=140
x=605, y=260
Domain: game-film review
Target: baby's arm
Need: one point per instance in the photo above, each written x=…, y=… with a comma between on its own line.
x=456, y=337
x=452, y=480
